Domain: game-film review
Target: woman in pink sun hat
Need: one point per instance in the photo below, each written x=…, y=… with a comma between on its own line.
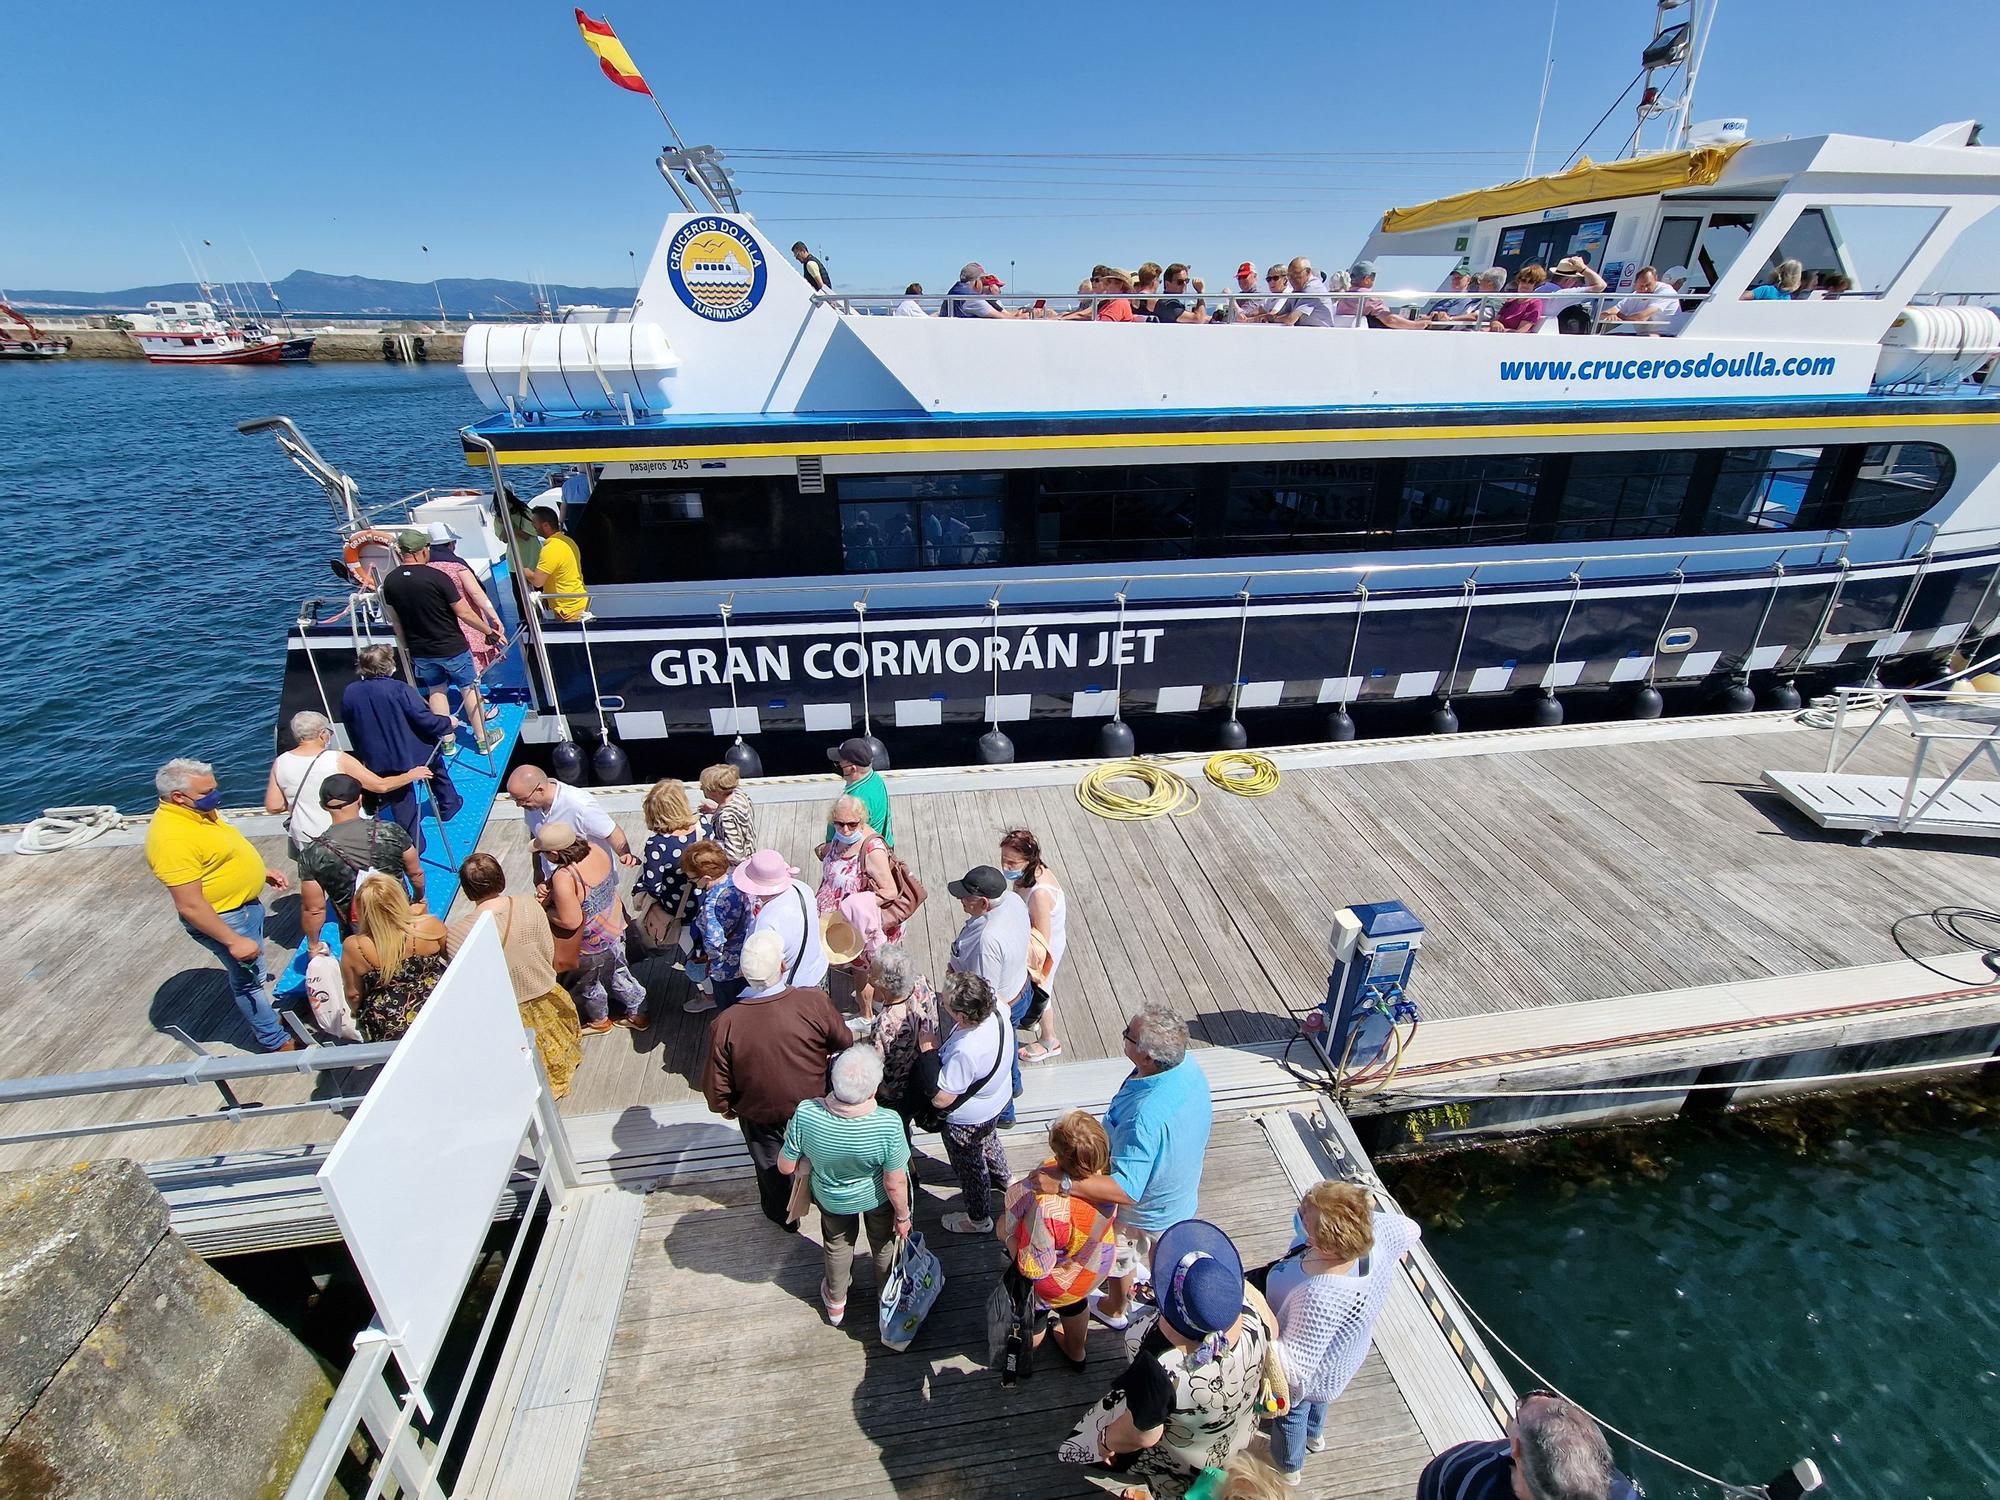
x=782, y=903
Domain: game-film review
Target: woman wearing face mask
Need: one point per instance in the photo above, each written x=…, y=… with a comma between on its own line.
x=1048, y=916
x=855, y=862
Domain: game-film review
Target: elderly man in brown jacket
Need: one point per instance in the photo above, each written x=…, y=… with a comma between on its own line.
x=767, y=1054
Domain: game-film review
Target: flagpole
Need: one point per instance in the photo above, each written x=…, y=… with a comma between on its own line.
x=678, y=142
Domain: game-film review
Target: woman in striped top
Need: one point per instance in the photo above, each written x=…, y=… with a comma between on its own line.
x=729, y=811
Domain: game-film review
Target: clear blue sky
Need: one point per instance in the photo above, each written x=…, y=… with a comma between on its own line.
x=342, y=137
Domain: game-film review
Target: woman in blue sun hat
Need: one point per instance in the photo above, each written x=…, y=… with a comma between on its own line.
x=1189, y=1398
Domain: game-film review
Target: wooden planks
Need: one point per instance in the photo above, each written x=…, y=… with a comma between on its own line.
x=1544, y=877
x=720, y=1336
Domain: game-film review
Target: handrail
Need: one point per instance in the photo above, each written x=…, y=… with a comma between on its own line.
x=195, y=1072
x=1818, y=542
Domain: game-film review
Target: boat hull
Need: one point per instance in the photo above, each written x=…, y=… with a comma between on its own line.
x=682, y=677
x=261, y=354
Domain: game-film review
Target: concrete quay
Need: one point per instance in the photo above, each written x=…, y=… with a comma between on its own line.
x=346, y=344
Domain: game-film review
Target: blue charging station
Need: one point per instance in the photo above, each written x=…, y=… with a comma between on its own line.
x=1374, y=948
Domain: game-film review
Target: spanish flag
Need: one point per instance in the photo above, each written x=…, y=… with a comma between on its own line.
x=611, y=54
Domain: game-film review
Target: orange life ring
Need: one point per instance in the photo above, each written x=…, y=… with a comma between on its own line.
x=351, y=554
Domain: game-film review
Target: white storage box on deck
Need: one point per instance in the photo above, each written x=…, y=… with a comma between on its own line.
x=569, y=367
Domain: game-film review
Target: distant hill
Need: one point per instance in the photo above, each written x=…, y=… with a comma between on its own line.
x=356, y=296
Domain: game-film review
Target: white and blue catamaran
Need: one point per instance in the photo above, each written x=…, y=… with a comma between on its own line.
x=806, y=520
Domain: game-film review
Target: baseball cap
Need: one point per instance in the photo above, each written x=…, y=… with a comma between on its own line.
x=338, y=790
x=980, y=880
x=1246, y=269
x=440, y=534
x=854, y=752
x=1362, y=268
x=410, y=540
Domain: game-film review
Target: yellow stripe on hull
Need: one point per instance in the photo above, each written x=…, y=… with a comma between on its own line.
x=1027, y=443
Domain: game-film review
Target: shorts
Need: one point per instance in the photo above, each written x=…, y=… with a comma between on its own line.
x=433, y=672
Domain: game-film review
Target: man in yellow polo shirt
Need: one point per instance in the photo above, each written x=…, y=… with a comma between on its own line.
x=559, y=569
x=217, y=879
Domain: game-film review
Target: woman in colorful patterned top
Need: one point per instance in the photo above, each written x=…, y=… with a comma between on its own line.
x=1064, y=1244
x=906, y=1023
x=723, y=921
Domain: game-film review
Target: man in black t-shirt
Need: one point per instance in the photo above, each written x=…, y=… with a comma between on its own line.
x=1173, y=307
x=429, y=609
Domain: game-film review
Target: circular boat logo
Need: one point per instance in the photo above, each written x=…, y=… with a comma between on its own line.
x=716, y=269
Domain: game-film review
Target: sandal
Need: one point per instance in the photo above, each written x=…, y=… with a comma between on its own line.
x=1039, y=1052
x=835, y=1311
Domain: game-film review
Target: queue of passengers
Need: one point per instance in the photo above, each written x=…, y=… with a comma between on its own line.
x=833, y=1053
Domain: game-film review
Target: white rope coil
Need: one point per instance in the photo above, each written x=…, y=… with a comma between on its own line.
x=66, y=827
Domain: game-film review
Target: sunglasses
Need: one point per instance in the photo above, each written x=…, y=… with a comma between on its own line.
x=837, y=823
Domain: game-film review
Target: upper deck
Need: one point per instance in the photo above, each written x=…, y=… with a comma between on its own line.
x=758, y=343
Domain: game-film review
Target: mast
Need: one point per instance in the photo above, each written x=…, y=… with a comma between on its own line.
x=1665, y=54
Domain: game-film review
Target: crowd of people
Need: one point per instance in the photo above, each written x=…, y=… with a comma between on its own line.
x=1568, y=297
x=838, y=1057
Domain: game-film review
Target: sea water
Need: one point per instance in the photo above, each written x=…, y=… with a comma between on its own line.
x=157, y=556
x=1814, y=1280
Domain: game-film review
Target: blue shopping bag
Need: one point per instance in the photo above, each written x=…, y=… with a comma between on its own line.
x=915, y=1279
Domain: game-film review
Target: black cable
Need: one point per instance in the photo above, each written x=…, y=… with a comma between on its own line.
x=1602, y=118
x=1951, y=921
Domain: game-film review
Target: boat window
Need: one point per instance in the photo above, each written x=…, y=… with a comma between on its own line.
x=1469, y=499
x=1674, y=245
x=1896, y=482
x=1720, y=244
x=1809, y=242
x=1877, y=240
x=1296, y=506
x=1115, y=514
x=1547, y=241
x=1759, y=489
x=753, y=526
x=1621, y=496
x=890, y=522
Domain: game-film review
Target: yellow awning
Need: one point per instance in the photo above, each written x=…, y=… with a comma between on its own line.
x=1586, y=182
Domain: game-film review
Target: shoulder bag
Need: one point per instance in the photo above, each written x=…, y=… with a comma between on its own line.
x=292, y=808
x=919, y=1099
x=905, y=895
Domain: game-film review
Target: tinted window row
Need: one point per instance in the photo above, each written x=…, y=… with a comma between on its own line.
x=649, y=530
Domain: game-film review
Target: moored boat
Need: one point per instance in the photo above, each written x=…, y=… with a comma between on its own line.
x=35, y=344
x=804, y=520
x=192, y=333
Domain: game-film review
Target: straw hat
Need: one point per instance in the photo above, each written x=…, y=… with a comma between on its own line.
x=1112, y=273
x=841, y=938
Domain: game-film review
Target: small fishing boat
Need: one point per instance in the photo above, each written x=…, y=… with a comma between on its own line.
x=35, y=345
x=193, y=333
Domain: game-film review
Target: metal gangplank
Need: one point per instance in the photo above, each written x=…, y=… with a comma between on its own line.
x=1940, y=723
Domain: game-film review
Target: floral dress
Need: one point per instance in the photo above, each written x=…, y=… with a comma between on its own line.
x=390, y=1005
x=899, y=1033
x=846, y=874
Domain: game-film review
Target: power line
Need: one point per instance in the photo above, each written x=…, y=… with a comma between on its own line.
x=827, y=153
x=1290, y=179
x=1601, y=119
x=1020, y=197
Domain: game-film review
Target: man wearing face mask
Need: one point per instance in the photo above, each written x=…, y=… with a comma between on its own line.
x=217, y=879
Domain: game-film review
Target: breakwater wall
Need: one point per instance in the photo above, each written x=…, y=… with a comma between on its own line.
x=346, y=344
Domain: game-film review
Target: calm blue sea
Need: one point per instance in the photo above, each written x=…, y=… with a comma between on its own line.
x=158, y=555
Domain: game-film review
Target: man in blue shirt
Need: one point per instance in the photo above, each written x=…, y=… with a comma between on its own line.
x=1552, y=1451
x=1158, y=1123
x=394, y=731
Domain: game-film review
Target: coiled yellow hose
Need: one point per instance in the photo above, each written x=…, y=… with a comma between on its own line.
x=1243, y=772
x=1167, y=794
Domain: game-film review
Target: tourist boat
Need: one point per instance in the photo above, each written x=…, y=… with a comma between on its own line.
x=193, y=333
x=35, y=345
x=805, y=522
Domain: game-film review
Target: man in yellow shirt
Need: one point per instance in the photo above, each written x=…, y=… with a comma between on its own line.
x=217, y=879
x=559, y=569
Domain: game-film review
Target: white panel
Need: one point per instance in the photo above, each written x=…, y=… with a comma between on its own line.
x=1948, y=635
x=829, y=718
x=1562, y=674
x=913, y=713
x=1003, y=708
x=342, y=741
x=645, y=724
x=1895, y=641
x=1260, y=694
x=733, y=720
x=1178, y=700
x=1416, y=684
x=1101, y=704
x=1829, y=651
x=542, y=729
x=1491, y=680
x=1764, y=658
x=1697, y=663
x=414, y=1178
x=1340, y=690
x=1631, y=668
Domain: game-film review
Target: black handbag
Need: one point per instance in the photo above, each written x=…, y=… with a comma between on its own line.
x=1011, y=1311
x=920, y=1093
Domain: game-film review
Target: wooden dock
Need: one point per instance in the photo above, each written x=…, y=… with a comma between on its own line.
x=1550, y=867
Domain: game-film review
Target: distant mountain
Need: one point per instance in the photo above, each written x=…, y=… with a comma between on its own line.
x=355, y=296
